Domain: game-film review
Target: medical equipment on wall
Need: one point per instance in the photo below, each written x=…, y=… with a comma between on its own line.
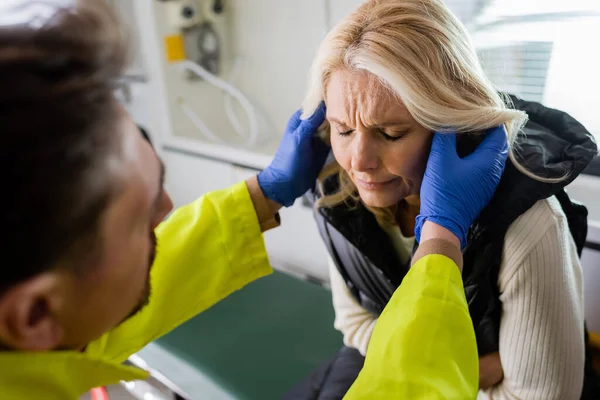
x=183, y=14
x=201, y=27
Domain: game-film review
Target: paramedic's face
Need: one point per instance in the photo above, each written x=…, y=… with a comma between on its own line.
x=375, y=139
x=119, y=285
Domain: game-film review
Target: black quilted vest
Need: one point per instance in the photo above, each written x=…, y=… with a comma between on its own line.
x=554, y=145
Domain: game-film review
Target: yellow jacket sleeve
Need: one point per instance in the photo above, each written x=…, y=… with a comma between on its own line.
x=206, y=251
x=423, y=346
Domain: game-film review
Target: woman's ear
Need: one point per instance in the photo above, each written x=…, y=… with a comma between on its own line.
x=27, y=318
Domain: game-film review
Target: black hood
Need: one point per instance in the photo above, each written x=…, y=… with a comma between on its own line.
x=553, y=145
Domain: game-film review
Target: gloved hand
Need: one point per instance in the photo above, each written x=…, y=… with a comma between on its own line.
x=298, y=161
x=455, y=190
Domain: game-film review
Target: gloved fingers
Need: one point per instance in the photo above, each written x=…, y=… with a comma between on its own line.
x=294, y=122
x=444, y=143
x=494, y=144
x=310, y=125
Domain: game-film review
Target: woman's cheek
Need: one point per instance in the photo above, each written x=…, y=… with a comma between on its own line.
x=409, y=159
x=340, y=152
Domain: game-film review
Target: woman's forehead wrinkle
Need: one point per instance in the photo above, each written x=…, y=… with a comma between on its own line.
x=366, y=100
x=376, y=103
x=350, y=102
x=358, y=99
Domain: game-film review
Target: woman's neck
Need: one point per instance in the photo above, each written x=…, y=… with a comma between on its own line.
x=406, y=213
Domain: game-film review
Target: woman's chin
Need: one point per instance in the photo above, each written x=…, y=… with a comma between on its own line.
x=379, y=200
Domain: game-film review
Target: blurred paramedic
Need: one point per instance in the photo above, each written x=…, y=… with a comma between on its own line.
x=82, y=285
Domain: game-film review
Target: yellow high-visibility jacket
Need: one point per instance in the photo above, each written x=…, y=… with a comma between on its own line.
x=423, y=346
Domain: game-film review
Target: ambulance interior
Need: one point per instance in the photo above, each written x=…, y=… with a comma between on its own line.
x=214, y=81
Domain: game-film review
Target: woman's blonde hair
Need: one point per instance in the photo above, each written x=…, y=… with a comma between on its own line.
x=421, y=52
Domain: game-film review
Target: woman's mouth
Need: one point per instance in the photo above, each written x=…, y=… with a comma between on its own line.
x=374, y=185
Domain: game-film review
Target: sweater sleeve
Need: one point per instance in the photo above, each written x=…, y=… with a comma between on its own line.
x=541, y=331
x=355, y=323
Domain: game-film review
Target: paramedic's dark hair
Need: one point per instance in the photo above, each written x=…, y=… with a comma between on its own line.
x=58, y=130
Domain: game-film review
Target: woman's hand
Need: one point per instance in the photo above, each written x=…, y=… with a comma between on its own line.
x=454, y=189
x=490, y=371
x=298, y=160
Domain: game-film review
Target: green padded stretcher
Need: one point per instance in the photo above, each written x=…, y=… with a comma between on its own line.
x=256, y=344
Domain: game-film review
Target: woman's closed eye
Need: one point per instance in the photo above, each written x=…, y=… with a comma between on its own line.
x=345, y=133
x=391, y=136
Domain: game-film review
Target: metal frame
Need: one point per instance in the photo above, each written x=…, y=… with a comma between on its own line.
x=139, y=362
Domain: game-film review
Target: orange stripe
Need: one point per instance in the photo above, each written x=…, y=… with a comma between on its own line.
x=99, y=394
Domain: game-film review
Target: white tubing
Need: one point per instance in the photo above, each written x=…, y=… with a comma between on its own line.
x=233, y=91
x=231, y=115
x=200, y=125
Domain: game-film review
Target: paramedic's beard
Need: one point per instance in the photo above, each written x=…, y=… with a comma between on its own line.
x=145, y=297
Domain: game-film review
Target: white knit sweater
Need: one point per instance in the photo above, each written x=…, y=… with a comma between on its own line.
x=541, y=331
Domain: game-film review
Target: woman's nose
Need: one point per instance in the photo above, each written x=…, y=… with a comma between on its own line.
x=364, y=153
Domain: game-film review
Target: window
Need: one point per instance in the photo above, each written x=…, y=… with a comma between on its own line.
x=544, y=51
x=520, y=69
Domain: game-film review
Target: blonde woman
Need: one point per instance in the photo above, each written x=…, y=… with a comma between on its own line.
x=391, y=74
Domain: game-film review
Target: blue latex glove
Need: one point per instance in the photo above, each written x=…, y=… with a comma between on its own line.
x=455, y=190
x=298, y=161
